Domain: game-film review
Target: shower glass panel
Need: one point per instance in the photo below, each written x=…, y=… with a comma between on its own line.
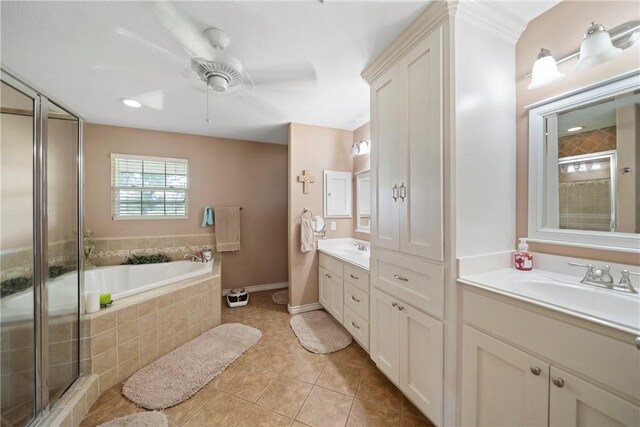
x=17, y=377
x=62, y=283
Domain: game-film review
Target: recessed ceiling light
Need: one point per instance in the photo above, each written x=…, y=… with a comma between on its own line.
x=575, y=129
x=131, y=103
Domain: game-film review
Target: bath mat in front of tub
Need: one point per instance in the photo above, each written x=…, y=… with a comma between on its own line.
x=281, y=297
x=319, y=332
x=178, y=375
x=141, y=419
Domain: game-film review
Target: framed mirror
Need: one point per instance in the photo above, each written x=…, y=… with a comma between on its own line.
x=584, y=154
x=363, y=201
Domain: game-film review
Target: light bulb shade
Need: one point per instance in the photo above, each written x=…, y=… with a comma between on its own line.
x=545, y=71
x=355, y=149
x=596, y=48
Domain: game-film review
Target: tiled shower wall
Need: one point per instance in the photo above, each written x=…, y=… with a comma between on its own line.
x=114, y=251
x=585, y=205
x=18, y=262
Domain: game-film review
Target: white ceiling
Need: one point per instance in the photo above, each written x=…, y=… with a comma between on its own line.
x=90, y=55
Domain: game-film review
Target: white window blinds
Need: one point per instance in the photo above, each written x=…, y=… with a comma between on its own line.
x=148, y=187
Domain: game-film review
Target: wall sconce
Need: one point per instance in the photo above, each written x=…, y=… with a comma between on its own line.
x=361, y=147
x=545, y=70
x=597, y=47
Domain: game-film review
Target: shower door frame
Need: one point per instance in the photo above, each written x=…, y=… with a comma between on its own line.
x=41, y=102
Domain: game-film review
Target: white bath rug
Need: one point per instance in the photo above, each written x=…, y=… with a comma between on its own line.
x=281, y=297
x=178, y=375
x=319, y=332
x=141, y=419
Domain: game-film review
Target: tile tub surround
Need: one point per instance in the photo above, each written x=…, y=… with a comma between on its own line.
x=277, y=381
x=133, y=332
x=75, y=403
x=115, y=251
x=17, y=262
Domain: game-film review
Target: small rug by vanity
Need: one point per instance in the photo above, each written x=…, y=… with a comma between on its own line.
x=141, y=419
x=281, y=297
x=319, y=332
x=178, y=375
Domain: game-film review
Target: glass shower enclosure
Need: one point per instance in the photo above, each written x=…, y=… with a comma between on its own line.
x=41, y=258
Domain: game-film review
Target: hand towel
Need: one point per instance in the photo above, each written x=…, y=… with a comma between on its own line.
x=207, y=217
x=227, y=222
x=307, y=239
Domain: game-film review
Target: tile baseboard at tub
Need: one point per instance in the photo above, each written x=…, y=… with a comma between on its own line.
x=259, y=288
x=304, y=308
x=75, y=403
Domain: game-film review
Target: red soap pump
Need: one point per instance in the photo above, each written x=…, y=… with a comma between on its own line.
x=523, y=258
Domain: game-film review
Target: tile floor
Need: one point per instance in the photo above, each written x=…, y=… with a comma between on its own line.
x=279, y=383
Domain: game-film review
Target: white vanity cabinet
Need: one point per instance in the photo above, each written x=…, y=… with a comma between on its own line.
x=523, y=367
x=344, y=293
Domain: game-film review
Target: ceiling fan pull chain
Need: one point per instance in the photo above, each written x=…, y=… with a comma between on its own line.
x=207, y=119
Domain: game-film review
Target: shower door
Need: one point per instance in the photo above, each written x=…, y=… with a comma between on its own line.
x=40, y=252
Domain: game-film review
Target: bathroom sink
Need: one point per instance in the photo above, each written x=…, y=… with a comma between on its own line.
x=345, y=250
x=352, y=252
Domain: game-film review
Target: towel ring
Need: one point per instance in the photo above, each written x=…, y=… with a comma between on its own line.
x=306, y=211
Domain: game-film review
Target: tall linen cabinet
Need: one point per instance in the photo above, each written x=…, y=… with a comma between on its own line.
x=407, y=238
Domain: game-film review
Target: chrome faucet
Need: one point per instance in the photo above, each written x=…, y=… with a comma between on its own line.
x=362, y=246
x=194, y=257
x=625, y=285
x=602, y=277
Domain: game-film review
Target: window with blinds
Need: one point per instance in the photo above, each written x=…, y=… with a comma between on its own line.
x=148, y=187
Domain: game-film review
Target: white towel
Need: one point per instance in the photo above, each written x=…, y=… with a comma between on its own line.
x=227, y=221
x=307, y=239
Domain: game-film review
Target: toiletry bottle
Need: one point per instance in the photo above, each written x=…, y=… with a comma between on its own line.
x=524, y=258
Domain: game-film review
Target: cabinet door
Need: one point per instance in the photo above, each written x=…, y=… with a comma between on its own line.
x=421, y=161
x=574, y=402
x=324, y=288
x=384, y=161
x=501, y=386
x=383, y=334
x=421, y=361
x=337, y=298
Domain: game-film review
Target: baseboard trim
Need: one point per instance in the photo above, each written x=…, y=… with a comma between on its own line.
x=304, y=308
x=258, y=288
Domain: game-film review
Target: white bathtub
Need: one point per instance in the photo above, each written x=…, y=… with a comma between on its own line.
x=119, y=280
x=124, y=280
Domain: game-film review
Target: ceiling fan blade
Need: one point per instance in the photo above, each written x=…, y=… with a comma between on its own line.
x=284, y=74
x=133, y=36
x=258, y=104
x=184, y=30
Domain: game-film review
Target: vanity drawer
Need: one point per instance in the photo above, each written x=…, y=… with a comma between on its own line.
x=418, y=283
x=358, y=327
x=357, y=300
x=357, y=276
x=331, y=264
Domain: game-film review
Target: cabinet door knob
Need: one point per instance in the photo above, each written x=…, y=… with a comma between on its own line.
x=559, y=382
x=394, y=304
x=403, y=192
x=638, y=342
x=328, y=276
x=354, y=325
x=402, y=279
x=355, y=299
x=354, y=277
x=401, y=307
x=395, y=192
x=535, y=370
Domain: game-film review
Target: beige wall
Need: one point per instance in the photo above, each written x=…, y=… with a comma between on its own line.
x=360, y=164
x=560, y=30
x=222, y=172
x=315, y=149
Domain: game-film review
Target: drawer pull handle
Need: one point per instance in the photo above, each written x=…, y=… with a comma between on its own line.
x=559, y=382
x=401, y=307
x=355, y=299
x=535, y=370
x=354, y=277
x=402, y=279
x=328, y=276
x=354, y=325
x=394, y=304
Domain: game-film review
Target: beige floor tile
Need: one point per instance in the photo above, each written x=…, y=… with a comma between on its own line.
x=376, y=388
x=272, y=357
x=365, y=414
x=325, y=408
x=181, y=413
x=352, y=355
x=223, y=410
x=415, y=422
x=249, y=383
x=305, y=366
x=409, y=409
x=260, y=417
x=340, y=377
x=119, y=406
x=230, y=372
x=285, y=396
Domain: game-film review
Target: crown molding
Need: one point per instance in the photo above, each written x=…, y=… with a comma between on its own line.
x=437, y=13
x=493, y=18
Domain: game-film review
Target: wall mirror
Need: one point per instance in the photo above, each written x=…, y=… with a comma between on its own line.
x=363, y=201
x=584, y=154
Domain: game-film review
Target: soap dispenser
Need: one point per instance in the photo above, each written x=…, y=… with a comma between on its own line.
x=523, y=258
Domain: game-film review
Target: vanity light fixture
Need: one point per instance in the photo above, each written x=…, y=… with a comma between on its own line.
x=361, y=147
x=574, y=129
x=545, y=70
x=131, y=103
x=596, y=47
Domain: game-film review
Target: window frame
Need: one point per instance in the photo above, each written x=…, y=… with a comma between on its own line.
x=114, y=188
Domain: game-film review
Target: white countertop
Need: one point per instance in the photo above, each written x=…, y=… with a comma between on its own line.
x=345, y=250
x=563, y=293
